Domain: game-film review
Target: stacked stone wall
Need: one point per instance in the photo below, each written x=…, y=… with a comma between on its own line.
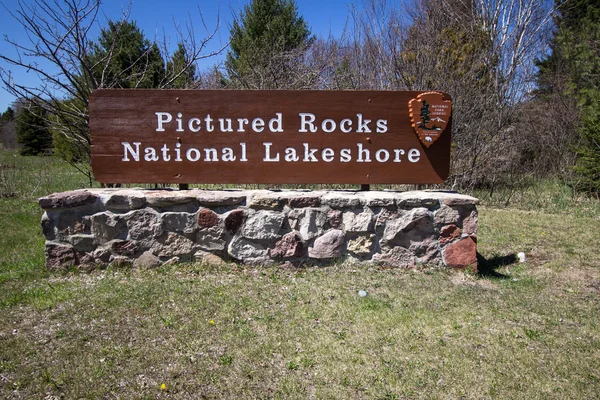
x=96, y=227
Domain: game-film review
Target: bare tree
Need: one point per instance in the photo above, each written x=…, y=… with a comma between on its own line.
x=60, y=49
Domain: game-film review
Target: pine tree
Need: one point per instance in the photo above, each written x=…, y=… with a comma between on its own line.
x=181, y=76
x=135, y=62
x=267, y=43
x=32, y=131
x=573, y=70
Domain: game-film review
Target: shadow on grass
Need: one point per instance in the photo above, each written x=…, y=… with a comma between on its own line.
x=488, y=268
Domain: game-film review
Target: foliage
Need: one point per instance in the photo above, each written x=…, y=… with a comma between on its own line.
x=572, y=71
x=70, y=63
x=32, y=130
x=181, y=69
x=267, y=44
x=135, y=62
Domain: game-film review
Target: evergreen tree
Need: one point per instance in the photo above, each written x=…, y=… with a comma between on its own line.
x=267, y=43
x=134, y=62
x=573, y=70
x=181, y=76
x=32, y=130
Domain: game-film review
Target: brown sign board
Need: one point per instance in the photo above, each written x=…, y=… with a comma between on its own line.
x=279, y=137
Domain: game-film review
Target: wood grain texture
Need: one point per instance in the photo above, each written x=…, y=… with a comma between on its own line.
x=119, y=116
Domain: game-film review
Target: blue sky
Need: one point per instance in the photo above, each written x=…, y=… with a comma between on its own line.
x=152, y=16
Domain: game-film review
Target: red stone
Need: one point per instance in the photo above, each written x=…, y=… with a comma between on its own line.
x=207, y=218
x=290, y=245
x=72, y=199
x=334, y=217
x=462, y=253
x=448, y=233
x=234, y=220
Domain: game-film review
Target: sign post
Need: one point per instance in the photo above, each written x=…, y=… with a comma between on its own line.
x=276, y=137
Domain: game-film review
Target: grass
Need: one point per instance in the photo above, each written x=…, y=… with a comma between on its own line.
x=517, y=331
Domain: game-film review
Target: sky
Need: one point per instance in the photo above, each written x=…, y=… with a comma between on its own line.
x=157, y=18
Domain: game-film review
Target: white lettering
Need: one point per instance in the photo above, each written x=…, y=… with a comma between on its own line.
x=210, y=154
x=327, y=155
x=179, y=123
x=134, y=153
x=224, y=128
x=243, y=157
x=150, y=154
x=258, y=125
x=414, y=155
x=307, y=119
x=346, y=122
x=241, y=122
x=382, y=126
x=398, y=152
x=228, y=154
x=163, y=118
x=191, y=123
x=363, y=152
x=363, y=126
x=309, y=154
x=290, y=155
x=268, y=157
x=331, y=124
x=382, y=155
x=345, y=155
x=196, y=154
x=275, y=124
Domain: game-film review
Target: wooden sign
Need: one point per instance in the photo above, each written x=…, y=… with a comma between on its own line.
x=227, y=136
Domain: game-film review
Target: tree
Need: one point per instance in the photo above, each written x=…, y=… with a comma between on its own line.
x=571, y=72
x=181, y=70
x=7, y=129
x=32, y=130
x=70, y=64
x=268, y=42
x=134, y=62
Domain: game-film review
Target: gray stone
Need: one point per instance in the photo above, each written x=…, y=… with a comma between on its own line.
x=378, y=199
x=102, y=254
x=143, y=224
x=263, y=225
x=470, y=222
x=330, y=245
x=211, y=239
x=166, y=198
x=446, y=216
x=147, y=261
x=341, y=199
x=209, y=258
x=243, y=249
x=219, y=198
x=120, y=262
x=356, y=221
x=125, y=200
x=107, y=226
x=179, y=222
x=82, y=243
x=271, y=201
x=171, y=244
x=309, y=222
x=334, y=218
x=397, y=257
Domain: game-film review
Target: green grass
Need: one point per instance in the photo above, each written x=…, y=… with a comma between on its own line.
x=517, y=331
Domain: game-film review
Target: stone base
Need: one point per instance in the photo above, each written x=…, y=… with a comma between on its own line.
x=139, y=227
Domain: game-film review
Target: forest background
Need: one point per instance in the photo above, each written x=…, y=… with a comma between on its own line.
x=523, y=74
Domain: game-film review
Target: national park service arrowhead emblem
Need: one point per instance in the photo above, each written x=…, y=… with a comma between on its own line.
x=429, y=116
